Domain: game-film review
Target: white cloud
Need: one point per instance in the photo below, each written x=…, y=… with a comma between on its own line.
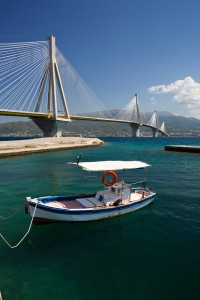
x=186, y=91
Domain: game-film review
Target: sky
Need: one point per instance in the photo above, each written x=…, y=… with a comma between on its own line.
x=120, y=47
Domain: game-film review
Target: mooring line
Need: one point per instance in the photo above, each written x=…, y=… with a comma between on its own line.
x=9, y=208
x=16, y=209
x=15, y=246
x=9, y=217
x=8, y=194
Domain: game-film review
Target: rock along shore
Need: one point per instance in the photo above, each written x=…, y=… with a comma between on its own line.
x=38, y=145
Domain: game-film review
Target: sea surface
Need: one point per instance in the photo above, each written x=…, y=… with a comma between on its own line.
x=153, y=253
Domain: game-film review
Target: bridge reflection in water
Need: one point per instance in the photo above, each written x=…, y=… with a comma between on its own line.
x=38, y=82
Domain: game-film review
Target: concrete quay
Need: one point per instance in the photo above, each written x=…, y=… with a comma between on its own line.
x=183, y=148
x=39, y=145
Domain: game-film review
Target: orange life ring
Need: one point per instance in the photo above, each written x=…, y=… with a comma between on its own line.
x=113, y=179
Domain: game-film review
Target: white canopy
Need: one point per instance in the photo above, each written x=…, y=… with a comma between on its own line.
x=112, y=165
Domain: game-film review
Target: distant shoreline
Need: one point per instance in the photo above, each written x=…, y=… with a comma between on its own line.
x=40, y=145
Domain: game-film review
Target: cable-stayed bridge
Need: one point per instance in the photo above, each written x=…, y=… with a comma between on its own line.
x=37, y=81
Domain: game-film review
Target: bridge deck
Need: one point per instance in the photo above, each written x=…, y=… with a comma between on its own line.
x=18, y=113
x=63, y=117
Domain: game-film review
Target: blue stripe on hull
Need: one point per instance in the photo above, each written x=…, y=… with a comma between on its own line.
x=57, y=214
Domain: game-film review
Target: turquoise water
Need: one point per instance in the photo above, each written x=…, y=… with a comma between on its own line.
x=149, y=254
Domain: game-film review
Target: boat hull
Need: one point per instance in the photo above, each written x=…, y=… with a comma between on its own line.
x=45, y=214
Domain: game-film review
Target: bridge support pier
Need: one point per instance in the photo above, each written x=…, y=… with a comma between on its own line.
x=135, y=130
x=51, y=127
x=163, y=134
x=154, y=132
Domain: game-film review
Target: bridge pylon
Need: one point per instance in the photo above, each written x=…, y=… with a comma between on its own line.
x=154, y=124
x=163, y=129
x=136, y=118
x=53, y=126
x=31, y=86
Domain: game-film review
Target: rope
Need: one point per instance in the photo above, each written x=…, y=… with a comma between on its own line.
x=12, y=195
x=15, y=246
x=9, y=217
x=9, y=208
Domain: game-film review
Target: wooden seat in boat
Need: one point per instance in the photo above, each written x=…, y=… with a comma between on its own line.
x=85, y=202
x=90, y=202
x=135, y=197
x=95, y=201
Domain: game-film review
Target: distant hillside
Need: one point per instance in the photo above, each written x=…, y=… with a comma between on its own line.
x=20, y=127
x=176, y=125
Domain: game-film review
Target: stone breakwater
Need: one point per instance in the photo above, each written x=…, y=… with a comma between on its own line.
x=21, y=147
x=183, y=148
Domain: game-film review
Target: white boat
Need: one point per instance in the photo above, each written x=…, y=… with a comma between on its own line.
x=115, y=199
